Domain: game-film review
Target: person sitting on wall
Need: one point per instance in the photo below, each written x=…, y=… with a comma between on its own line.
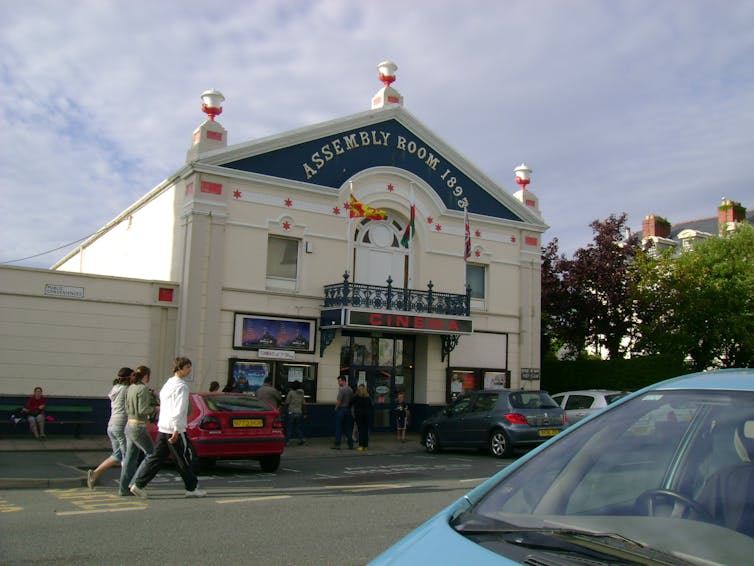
x=35, y=413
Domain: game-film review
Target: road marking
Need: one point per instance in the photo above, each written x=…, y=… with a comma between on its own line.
x=473, y=480
x=247, y=499
x=89, y=501
x=7, y=507
x=91, y=511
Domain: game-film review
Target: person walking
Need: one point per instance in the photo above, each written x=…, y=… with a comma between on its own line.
x=34, y=410
x=115, y=426
x=402, y=415
x=362, y=412
x=343, y=421
x=139, y=409
x=267, y=393
x=296, y=403
x=171, y=435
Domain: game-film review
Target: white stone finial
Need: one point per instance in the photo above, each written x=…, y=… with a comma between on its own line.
x=387, y=95
x=212, y=103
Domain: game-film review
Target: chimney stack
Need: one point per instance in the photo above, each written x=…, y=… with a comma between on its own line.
x=655, y=226
x=728, y=213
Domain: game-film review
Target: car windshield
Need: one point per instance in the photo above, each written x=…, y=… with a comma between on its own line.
x=647, y=470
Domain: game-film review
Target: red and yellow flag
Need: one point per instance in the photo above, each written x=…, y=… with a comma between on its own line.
x=360, y=210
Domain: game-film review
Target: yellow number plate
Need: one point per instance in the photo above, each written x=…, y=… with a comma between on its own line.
x=248, y=423
x=548, y=432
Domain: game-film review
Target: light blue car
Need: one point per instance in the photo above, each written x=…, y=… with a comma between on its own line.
x=663, y=476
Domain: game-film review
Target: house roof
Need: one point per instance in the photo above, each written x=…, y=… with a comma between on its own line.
x=708, y=225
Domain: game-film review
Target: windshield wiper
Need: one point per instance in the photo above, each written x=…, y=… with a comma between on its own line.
x=596, y=545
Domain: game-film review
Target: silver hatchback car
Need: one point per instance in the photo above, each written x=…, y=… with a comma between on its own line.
x=580, y=404
x=496, y=419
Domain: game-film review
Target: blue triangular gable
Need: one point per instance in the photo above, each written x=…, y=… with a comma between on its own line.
x=330, y=161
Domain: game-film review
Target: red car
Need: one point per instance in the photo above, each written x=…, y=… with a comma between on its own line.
x=233, y=426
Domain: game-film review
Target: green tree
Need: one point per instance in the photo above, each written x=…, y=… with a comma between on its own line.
x=699, y=306
x=585, y=300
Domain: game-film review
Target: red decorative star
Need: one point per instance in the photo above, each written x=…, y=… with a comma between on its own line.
x=336, y=211
x=390, y=187
x=236, y=194
x=513, y=239
x=478, y=233
x=429, y=220
x=347, y=205
x=438, y=227
x=477, y=253
x=288, y=202
x=286, y=225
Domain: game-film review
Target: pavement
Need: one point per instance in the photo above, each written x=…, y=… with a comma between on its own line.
x=61, y=462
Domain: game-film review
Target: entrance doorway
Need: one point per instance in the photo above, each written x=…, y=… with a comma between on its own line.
x=385, y=364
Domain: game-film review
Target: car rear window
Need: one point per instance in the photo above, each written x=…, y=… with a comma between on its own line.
x=611, y=398
x=235, y=403
x=576, y=402
x=532, y=400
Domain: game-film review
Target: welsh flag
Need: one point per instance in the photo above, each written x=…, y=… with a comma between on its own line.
x=360, y=210
x=408, y=233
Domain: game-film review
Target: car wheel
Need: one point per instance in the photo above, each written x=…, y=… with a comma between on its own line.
x=432, y=442
x=270, y=463
x=500, y=447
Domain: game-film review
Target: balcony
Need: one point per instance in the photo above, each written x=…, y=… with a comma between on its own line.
x=389, y=298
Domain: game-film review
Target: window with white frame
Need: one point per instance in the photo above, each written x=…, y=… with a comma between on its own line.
x=475, y=277
x=282, y=261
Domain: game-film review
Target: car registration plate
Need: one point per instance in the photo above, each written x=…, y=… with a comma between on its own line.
x=548, y=432
x=248, y=423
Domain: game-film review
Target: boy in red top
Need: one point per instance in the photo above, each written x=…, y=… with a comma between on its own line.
x=35, y=413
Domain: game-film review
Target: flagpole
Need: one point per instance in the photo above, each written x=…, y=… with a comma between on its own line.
x=466, y=246
x=348, y=229
x=410, y=282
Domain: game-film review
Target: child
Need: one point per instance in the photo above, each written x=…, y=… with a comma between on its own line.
x=401, y=417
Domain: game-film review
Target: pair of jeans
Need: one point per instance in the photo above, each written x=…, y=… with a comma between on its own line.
x=182, y=453
x=343, y=425
x=138, y=441
x=117, y=436
x=293, y=427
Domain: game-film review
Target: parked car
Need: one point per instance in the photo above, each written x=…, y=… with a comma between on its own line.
x=233, y=426
x=659, y=478
x=580, y=404
x=497, y=419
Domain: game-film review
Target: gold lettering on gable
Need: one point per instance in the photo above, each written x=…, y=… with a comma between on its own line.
x=366, y=138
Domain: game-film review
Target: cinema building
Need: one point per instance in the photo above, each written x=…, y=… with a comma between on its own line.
x=364, y=246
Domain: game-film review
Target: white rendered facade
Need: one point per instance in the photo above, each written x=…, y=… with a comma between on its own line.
x=212, y=226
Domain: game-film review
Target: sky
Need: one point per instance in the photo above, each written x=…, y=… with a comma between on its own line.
x=618, y=106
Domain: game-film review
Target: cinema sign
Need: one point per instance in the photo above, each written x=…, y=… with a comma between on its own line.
x=396, y=321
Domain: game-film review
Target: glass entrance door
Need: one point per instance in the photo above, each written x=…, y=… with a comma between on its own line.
x=385, y=364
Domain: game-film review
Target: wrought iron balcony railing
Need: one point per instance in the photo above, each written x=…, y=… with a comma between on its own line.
x=389, y=298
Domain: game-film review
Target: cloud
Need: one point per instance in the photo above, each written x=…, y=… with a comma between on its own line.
x=626, y=106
